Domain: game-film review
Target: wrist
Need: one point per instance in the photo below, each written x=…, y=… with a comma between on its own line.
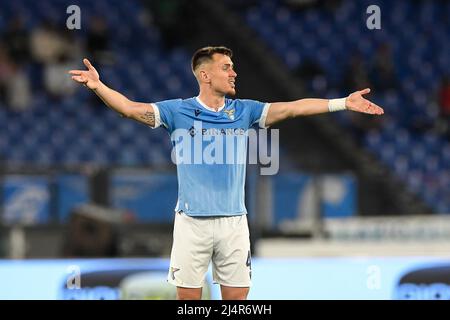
x=336, y=104
x=96, y=86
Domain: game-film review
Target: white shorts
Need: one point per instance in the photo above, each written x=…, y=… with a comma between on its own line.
x=198, y=240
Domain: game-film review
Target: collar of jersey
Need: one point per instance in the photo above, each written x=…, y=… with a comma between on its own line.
x=208, y=108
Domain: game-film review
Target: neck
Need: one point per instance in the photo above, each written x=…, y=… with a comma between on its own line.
x=214, y=101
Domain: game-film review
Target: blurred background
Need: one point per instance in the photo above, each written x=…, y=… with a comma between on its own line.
x=359, y=209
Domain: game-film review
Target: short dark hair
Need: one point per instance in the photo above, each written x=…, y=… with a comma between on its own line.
x=206, y=54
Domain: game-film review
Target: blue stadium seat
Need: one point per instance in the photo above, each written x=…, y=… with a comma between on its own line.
x=373, y=140
x=401, y=166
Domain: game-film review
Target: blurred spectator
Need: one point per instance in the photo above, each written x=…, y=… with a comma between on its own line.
x=330, y=5
x=356, y=76
x=18, y=90
x=46, y=43
x=17, y=39
x=98, y=41
x=170, y=17
x=6, y=71
x=383, y=71
x=444, y=106
x=310, y=72
x=52, y=49
x=14, y=83
x=56, y=81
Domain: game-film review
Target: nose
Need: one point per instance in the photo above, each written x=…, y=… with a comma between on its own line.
x=233, y=73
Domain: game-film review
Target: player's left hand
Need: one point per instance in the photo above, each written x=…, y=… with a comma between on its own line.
x=356, y=102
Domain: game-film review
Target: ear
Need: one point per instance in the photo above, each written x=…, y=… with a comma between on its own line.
x=204, y=76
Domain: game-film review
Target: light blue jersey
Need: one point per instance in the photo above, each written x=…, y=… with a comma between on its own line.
x=210, y=149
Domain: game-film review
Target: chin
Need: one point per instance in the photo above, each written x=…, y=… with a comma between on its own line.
x=231, y=92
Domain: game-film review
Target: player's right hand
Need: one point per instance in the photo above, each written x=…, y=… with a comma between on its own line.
x=90, y=78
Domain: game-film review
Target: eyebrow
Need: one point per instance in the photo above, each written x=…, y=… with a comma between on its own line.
x=229, y=64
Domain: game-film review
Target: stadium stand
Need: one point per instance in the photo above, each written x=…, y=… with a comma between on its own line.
x=143, y=70
x=414, y=36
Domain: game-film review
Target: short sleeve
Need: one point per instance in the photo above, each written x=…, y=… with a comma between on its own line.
x=164, y=113
x=258, y=112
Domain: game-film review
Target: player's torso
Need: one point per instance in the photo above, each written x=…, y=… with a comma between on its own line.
x=210, y=150
x=210, y=138
x=192, y=112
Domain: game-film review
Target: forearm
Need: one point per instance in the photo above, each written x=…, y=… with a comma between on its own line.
x=307, y=107
x=114, y=99
x=280, y=111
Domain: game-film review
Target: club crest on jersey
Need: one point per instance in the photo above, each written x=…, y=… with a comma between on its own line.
x=230, y=113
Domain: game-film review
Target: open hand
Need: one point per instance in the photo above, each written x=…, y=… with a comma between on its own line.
x=356, y=102
x=90, y=78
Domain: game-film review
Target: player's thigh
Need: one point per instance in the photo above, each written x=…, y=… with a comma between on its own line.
x=191, y=251
x=232, y=258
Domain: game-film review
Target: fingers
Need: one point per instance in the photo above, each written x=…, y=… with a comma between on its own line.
x=76, y=72
x=378, y=110
x=374, y=109
x=79, y=79
x=364, y=91
x=87, y=64
x=80, y=72
x=360, y=104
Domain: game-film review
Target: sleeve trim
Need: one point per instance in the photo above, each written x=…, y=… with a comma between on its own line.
x=157, y=116
x=262, y=119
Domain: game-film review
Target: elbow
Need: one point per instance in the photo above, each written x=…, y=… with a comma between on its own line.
x=124, y=114
x=128, y=110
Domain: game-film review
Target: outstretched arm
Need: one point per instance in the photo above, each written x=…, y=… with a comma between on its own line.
x=280, y=111
x=142, y=112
